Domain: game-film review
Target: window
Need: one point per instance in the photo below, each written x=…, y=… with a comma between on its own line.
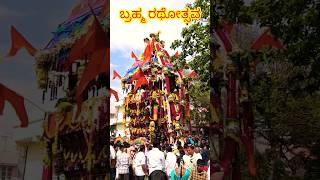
x=5, y=172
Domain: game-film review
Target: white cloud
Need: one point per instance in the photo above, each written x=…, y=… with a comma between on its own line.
x=126, y=37
x=113, y=65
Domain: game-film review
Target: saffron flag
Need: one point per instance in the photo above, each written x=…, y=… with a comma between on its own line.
x=97, y=42
x=134, y=56
x=147, y=54
x=115, y=94
x=116, y=75
x=137, y=75
x=16, y=101
x=141, y=81
x=88, y=43
x=266, y=40
x=98, y=64
x=18, y=42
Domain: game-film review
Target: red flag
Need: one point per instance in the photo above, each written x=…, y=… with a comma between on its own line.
x=87, y=44
x=141, y=81
x=16, y=101
x=98, y=64
x=18, y=42
x=115, y=93
x=147, y=54
x=134, y=56
x=95, y=42
x=137, y=75
x=115, y=75
x=266, y=39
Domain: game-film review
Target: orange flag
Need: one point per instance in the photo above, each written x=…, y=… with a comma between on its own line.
x=88, y=43
x=16, y=101
x=18, y=42
x=116, y=75
x=115, y=93
x=98, y=64
x=148, y=53
x=137, y=75
x=266, y=39
x=98, y=43
x=134, y=56
x=141, y=81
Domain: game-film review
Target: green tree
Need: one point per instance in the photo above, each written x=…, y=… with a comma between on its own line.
x=195, y=49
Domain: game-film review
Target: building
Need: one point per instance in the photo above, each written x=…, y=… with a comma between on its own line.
x=116, y=120
x=30, y=152
x=8, y=157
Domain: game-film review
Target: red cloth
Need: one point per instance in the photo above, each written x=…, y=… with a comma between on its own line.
x=115, y=93
x=115, y=75
x=223, y=35
x=228, y=154
x=46, y=173
x=18, y=42
x=232, y=111
x=16, y=101
x=266, y=39
x=134, y=56
x=167, y=81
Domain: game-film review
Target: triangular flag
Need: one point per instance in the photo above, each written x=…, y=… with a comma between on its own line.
x=115, y=93
x=98, y=64
x=116, y=75
x=98, y=42
x=266, y=40
x=141, y=81
x=18, y=42
x=134, y=56
x=147, y=54
x=16, y=101
x=137, y=75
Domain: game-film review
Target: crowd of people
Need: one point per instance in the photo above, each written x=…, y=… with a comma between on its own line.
x=185, y=158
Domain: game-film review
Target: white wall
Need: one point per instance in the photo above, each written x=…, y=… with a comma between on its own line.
x=34, y=163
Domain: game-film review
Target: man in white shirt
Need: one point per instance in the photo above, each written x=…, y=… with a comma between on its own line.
x=139, y=163
x=156, y=163
x=123, y=162
x=171, y=160
x=193, y=156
